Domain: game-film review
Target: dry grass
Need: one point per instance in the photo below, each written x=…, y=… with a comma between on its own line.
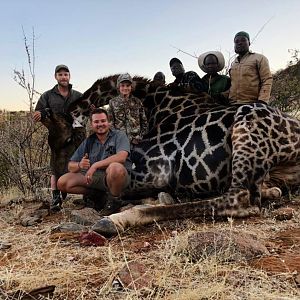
x=36, y=260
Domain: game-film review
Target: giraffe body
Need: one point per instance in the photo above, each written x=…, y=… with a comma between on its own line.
x=196, y=148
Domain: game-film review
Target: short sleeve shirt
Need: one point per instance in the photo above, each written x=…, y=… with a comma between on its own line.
x=116, y=141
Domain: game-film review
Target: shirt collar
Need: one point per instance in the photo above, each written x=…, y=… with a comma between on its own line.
x=238, y=59
x=55, y=89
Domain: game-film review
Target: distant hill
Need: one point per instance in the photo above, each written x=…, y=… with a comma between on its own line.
x=286, y=89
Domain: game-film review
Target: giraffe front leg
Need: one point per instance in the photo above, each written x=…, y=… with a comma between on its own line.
x=235, y=203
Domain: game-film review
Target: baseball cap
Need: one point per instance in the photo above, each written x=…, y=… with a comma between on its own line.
x=124, y=77
x=174, y=60
x=60, y=67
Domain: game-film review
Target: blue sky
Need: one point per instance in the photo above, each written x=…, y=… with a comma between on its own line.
x=99, y=38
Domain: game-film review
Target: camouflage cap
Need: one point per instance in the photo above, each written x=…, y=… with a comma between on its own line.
x=124, y=77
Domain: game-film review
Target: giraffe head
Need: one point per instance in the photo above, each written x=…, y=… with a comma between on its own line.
x=99, y=95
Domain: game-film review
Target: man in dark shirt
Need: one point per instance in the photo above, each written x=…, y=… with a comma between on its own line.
x=188, y=81
x=58, y=100
x=159, y=78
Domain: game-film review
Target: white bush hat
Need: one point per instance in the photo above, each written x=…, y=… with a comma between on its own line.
x=218, y=54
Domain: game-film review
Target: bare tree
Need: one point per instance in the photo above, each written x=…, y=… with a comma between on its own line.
x=294, y=56
x=24, y=152
x=28, y=83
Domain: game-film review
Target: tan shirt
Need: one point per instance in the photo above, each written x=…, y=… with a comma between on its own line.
x=251, y=79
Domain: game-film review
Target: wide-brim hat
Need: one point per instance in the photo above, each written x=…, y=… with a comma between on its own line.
x=218, y=54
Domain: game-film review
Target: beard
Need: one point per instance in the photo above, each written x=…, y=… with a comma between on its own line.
x=63, y=83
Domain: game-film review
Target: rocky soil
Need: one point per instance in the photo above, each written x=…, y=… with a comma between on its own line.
x=53, y=256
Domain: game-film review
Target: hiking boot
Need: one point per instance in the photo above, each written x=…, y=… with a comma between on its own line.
x=64, y=195
x=113, y=205
x=56, y=201
x=95, y=200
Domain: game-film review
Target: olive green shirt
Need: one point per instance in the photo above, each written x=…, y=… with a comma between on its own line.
x=55, y=101
x=217, y=84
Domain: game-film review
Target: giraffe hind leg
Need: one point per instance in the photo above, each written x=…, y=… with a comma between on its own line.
x=286, y=177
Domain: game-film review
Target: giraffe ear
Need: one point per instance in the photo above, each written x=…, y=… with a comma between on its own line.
x=133, y=85
x=113, y=84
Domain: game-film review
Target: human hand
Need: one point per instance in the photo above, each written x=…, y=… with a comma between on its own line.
x=89, y=174
x=84, y=164
x=135, y=141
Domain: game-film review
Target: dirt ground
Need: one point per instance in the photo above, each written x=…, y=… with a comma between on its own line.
x=42, y=262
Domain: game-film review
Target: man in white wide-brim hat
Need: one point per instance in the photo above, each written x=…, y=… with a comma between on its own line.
x=211, y=63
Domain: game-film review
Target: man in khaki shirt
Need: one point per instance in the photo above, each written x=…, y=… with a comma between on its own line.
x=251, y=78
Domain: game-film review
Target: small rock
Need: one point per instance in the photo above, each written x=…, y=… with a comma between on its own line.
x=141, y=246
x=297, y=280
x=30, y=220
x=91, y=238
x=65, y=227
x=34, y=217
x=165, y=199
x=4, y=245
x=42, y=213
x=235, y=245
x=86, y=216
x=134, y=276
x=283, y=213
x=46, y=292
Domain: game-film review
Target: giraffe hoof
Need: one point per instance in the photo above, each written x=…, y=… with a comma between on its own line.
x=105, y=227
x=165, y=199
x=276, y=193
x=272, y=193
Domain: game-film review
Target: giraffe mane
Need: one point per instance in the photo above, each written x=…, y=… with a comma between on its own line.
x=107, y=84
